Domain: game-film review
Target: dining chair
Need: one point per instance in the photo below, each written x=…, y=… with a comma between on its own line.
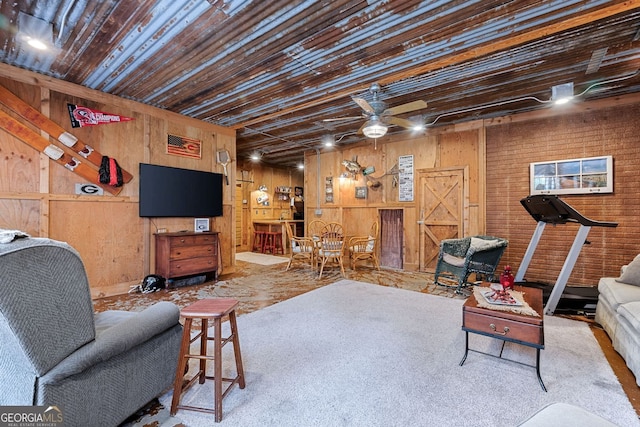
x=362, y=248
x=302, y=248
x=331, y=246
x=314, y=229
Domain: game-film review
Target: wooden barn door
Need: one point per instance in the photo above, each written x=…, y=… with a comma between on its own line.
x=391, y=241
x=443, y=202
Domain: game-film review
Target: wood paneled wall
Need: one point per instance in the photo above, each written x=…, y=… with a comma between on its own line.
x=446, y=147
x=38, y=195
x=250, y=177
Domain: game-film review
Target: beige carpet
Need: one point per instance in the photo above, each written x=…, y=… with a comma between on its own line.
x=262, y=259
x=356, y=354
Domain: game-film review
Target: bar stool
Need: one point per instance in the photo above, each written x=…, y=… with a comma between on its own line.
x=205, y=309
x=269, y=242
x=277, y=244
x=258, y=241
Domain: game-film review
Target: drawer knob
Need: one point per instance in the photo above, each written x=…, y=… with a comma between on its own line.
x=505, y=329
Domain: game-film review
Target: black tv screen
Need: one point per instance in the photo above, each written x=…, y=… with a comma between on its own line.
x=173, y=192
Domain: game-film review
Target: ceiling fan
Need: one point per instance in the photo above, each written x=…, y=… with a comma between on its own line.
x=379, y=116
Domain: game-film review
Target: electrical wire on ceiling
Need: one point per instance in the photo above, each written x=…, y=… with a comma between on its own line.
x=277, y=137
x=525, y=98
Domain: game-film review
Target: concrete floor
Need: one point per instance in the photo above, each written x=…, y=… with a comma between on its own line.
x=257, y=286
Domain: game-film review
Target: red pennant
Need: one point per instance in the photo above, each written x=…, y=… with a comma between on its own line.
x=84, y=116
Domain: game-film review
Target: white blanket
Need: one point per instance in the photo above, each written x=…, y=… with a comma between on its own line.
x=8, y=236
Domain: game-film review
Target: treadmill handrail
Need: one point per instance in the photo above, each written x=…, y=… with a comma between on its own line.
x=553, y=210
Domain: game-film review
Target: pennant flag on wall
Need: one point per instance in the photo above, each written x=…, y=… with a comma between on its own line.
x=84, y=116
x=185, y=147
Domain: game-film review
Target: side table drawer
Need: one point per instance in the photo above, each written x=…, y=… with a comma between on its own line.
x=503, y=328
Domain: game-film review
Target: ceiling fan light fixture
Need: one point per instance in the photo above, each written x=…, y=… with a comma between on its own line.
x=374, y=128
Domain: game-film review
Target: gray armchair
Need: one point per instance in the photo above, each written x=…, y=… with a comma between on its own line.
x=98, y=369
x=459, y=258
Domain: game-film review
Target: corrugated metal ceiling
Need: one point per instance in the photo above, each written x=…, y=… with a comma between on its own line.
x=274, y=70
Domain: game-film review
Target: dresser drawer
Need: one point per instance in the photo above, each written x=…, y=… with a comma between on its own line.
x=192, y=266
x=178, y=252
x=182, y=241
x=205, y=239
x=503, y=328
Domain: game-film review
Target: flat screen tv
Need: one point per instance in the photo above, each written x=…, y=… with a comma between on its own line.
x=173, y=192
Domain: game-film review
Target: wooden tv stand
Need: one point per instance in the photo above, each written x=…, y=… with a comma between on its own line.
x=186, y=253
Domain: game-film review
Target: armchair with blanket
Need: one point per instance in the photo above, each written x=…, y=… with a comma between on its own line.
x=459, y=258
x=98, y=369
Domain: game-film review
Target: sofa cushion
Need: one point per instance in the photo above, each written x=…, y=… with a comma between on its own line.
x=616, y=293
x=631, y=274
x=631, y=312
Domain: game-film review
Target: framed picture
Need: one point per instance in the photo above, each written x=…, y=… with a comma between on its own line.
x=328, y=189
x=361, y=192
x=573, y=176
x=201, y=225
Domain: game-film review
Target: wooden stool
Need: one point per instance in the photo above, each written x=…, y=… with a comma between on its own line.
x=269, y=242
x=258, y=241
x=205, y=309
x=273, y=243
x=277, y=244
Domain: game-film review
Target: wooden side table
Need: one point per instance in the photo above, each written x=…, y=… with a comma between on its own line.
x=506, y=326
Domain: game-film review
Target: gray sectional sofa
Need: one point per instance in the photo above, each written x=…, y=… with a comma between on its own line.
x=618, y=312
x=97, y=369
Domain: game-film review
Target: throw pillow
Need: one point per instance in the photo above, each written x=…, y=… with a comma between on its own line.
x=483, y=244
x=631, y=274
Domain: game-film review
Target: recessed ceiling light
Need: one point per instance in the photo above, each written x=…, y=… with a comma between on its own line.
x=36, y=32
x=36, y=44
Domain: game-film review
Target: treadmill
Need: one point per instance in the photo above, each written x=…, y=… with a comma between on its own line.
x=550, y=209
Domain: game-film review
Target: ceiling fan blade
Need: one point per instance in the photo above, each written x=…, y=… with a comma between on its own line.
x=361, y=127
x=364, y=105
x=405, y=108
x=399, y=122
x=337, y=119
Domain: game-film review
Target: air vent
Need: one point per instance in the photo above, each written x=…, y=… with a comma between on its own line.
x=596, y=60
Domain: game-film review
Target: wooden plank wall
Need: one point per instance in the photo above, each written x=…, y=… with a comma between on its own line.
x=38, y=196
x=250, y=177
x=454, y=146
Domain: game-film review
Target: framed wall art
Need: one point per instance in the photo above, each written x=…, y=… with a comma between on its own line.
x=573, y=176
